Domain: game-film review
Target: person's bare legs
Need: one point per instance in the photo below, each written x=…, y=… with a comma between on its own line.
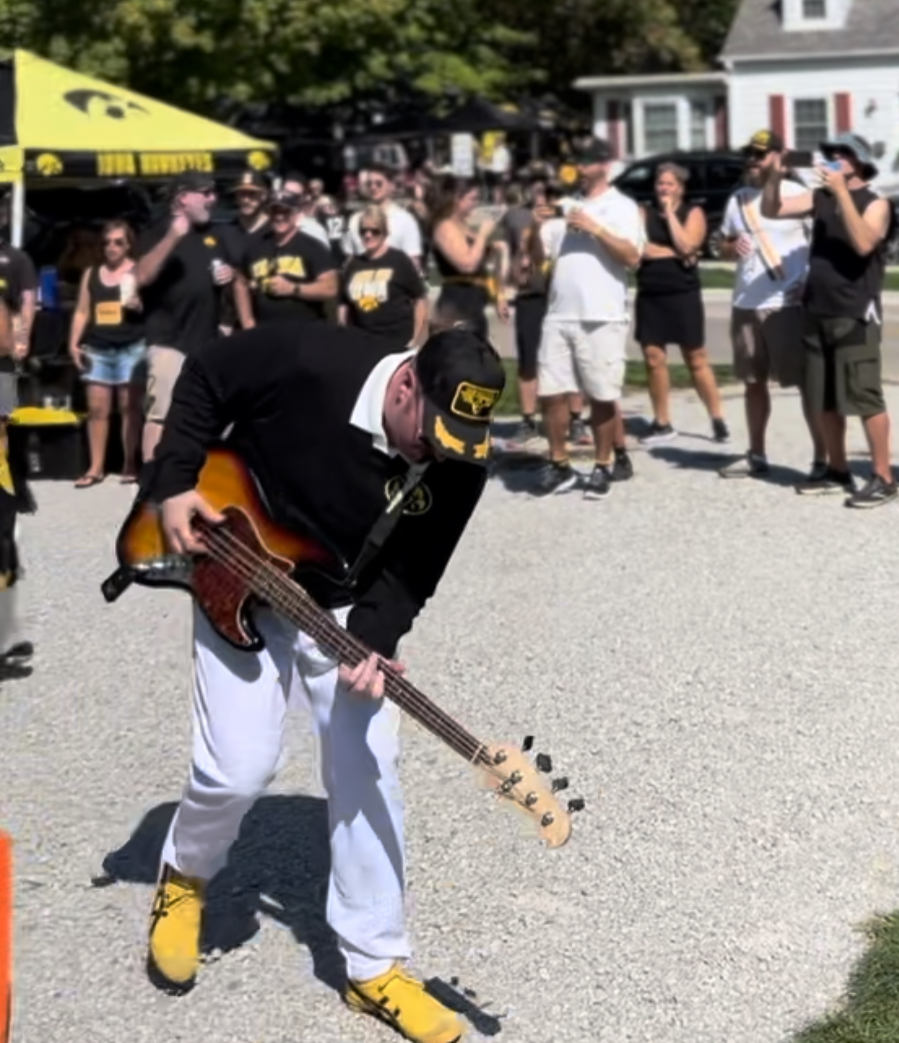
x=527, y=396
x=150, y=438
x=812, y=422
x=604, y=422
x=758, y=413
x=555, y=423
x=99, y=406
x=656, y=362
x=877, y=431
x=130, y=402
x=703, y=378
x=833, y=431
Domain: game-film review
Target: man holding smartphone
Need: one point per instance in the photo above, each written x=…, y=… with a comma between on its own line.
x=180, y=271
x=843, y=319
x=766, y=316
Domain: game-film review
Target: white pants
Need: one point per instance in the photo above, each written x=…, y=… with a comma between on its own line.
x=582, y=356
x=240, y=705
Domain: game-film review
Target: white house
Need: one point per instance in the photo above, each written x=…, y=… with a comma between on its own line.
x=805, y=68
x=811, y=68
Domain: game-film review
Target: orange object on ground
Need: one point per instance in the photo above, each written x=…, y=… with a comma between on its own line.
x=5, y=937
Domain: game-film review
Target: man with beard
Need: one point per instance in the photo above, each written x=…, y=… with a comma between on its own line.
x=250, y=195
x=180, y=272
x=766, y=321
x=403, y=232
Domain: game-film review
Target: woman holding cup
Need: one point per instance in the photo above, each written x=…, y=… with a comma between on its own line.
x=106, y=343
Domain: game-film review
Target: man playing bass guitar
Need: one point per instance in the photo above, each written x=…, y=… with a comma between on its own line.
x=382, y=453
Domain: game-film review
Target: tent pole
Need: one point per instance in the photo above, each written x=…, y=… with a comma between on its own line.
x=17, y=217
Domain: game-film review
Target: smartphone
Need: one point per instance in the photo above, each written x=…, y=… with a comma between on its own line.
x=798, y=159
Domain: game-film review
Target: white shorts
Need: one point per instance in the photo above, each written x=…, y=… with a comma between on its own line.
x=583, y=356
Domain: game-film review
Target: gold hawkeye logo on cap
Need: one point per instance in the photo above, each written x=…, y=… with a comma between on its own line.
x=473, y=402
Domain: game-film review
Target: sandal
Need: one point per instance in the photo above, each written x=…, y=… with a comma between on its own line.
x=87, y=480
x=128, y=479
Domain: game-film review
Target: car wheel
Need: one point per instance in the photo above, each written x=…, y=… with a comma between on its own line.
x=713, y=245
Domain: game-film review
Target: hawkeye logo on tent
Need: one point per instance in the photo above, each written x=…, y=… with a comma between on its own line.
x=101, y=104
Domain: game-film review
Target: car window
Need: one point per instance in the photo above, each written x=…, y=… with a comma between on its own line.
x=724, y=175
x=638, y=179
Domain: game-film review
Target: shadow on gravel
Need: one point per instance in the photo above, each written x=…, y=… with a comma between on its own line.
x=278, y=866
x=869, y=1011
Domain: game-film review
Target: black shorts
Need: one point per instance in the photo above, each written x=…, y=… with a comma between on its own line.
x=530, y=312
x=462, y=302
x=843, y=365
x=670, y=318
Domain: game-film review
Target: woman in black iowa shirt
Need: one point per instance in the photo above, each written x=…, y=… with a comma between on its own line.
x=381, y=291
x=106, y=342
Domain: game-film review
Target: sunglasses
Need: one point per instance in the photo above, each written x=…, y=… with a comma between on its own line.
x=114, y=242
x=370, y=231
x=756, y=153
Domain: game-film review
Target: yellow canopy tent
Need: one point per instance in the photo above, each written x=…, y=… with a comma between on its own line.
x=57, y=126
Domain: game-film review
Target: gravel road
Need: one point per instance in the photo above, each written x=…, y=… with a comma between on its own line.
x=711, y=663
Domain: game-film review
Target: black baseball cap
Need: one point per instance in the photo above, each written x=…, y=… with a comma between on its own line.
x=596, y=150
x=250, y=181
x=764, y=141
x=192, y=181
x=462, y=378
x=284, y=199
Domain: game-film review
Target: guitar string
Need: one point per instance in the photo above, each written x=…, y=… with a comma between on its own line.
x=246, y=564
x=277, y=583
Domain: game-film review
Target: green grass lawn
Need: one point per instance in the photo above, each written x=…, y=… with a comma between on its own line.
x=723, y=278
x=635, y=380
x=869, y=1012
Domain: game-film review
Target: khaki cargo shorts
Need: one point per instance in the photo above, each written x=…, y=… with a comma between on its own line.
x=843, y=366
x=767, y=345
x=163, y=368
x=582, y=356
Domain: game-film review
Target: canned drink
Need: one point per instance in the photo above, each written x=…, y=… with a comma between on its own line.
x=127, y=287
x=215, y=266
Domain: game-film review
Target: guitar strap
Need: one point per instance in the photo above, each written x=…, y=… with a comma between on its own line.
x=770, y=257
x=385, y=525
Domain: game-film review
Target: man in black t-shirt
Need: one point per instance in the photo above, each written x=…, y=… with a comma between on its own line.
x=18, y=291
x=180, y=272
x=250, y=195
x=284, y=274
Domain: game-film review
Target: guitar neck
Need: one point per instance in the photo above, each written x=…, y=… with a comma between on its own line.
x=296, y=605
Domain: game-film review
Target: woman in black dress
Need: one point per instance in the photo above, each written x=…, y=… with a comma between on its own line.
x=463, y=257
x=669, y=301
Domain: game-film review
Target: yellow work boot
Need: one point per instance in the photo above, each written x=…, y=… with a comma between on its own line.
x=175, y=924
x=401, y=1001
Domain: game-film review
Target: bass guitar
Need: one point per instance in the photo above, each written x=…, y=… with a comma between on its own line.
x=250, y=560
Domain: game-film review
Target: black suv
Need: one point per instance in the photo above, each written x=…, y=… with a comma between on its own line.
x=713, y=177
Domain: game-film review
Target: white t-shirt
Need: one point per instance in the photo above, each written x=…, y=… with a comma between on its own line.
x=588, y=284
x=403, y=232
x=754, y=288
x=310, y=226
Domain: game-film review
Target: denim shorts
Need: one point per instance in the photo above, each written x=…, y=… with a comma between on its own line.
x=113, y=366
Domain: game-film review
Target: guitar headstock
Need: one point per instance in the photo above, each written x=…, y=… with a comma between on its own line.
x=511, y=775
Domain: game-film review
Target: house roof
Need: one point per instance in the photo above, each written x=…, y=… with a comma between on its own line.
x=872, y=26
x=675, y=79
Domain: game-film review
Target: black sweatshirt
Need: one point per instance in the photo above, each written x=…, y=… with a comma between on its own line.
x=290, y=391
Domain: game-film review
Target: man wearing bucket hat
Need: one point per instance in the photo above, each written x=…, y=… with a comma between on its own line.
x=843, y=321
x=385, y=454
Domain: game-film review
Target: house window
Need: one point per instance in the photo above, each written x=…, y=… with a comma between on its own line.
x=814, y=8
x=660, y=127
x=810, y=125
x=698, y=115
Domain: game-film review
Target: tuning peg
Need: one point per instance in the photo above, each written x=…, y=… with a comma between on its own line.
x=527, y=744
x=544, y=763
x=576, y=804
x=559, y=784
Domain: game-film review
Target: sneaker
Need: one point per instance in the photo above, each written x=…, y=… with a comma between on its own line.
x=403, y=1003
x=720, y=431
x=623, y=468
x=524, y=433
x=818, y=471
x=748, y=466
x=874, y=494
x=175, y=924
x=556, y=478
x=658, y=433
x=20, y=654
x=597, y=485
x=579, y=433
x=829, y=483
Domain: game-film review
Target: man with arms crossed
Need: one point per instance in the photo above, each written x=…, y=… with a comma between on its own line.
x=333, y=424
x=766, y=321
x=584, y=342
x=843, y=311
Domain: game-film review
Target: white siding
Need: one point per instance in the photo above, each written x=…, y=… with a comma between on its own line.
x=872, y=83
